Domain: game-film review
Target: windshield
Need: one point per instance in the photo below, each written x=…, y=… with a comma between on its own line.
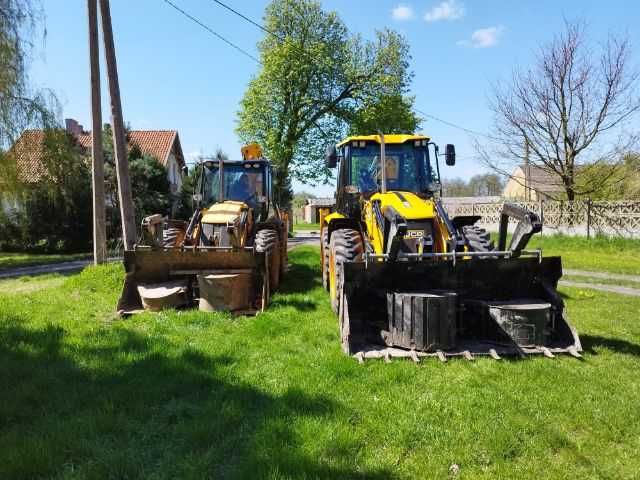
x=407, y=168
x=240, y=183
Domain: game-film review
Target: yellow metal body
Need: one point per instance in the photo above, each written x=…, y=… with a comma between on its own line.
x=224, y=212
x=407, y=204
x=411, y=206
x=390, y=139
x=228, y=212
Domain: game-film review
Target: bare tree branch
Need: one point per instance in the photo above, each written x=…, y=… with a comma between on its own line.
x=569, y=107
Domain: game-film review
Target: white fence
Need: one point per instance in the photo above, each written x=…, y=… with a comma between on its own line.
x=578, y=217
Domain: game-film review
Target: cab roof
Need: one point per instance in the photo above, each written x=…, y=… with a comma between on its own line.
x=388, y=139
x=262, y=161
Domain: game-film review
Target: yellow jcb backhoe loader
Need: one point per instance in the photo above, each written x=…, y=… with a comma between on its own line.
x=229, y=256
x=408, y=281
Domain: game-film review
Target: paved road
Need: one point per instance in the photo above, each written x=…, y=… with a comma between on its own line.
x=62, y=267
x=619, y=289
x=604, y=275
x=306, y=238
x=77, y=265
x=635, y=292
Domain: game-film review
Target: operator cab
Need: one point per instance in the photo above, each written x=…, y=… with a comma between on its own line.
x=411, y=164
x=243, y=181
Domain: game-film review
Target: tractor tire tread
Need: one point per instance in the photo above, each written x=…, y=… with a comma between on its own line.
x=347, y=246
x=478, y=239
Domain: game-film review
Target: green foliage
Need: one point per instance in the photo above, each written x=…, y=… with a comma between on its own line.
x=55, y=212
x=150, y=187
x=618, y=180
x=186, y=205
x=300, y=199
x=20, y=106
x=389, y=114
x=149, y=184
x=315, y=79
x=482, y=185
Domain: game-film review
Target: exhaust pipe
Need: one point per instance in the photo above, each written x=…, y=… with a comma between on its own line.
x=383, y=161
x=221, y=175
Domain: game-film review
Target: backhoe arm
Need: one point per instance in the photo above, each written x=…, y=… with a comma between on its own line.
x=528, y=224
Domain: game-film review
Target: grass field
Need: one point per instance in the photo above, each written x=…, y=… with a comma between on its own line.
x=615, y=255
x=15, y=260
x=192, y=395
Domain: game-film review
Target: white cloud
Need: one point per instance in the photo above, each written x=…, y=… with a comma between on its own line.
x=402, y=12
x=447, y=10
x=483, y=38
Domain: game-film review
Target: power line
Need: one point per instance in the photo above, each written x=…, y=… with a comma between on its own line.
x=464, y=129
x=230, y=43
x=211, y=31
x=266, y=30
x=253, y=22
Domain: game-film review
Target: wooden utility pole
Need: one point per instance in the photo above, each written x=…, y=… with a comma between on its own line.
x=97, y=157
x=527, y=173
x=119, y=139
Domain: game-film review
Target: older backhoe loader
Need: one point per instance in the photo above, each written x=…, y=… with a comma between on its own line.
x=229, y=256
x=408, y=281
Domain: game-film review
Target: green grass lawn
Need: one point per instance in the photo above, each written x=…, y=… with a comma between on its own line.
x=15, y=260
x=194, y=395
x=615, y=255
x=306, y=227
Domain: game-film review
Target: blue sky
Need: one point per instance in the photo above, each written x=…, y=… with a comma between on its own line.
x=175, y=75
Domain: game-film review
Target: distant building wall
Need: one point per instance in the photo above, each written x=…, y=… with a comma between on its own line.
x=174, y=173
x=514, y=188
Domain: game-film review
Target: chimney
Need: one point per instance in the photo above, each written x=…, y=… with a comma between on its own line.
x=73, y=127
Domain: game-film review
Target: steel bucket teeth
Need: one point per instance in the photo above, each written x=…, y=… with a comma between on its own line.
x=477, y=308
x=389, y=353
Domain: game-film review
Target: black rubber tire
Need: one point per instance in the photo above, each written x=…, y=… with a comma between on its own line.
x=324, y=246
x=284, y=253
x=266, y=241
x=478, y=239
x=345, y=246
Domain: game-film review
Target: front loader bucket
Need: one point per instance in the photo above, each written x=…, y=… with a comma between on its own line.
x=159, y=270
x=437, y=308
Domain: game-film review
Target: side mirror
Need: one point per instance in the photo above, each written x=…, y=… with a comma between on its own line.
x=450, y=155
x=331, y=157
x=185, y=171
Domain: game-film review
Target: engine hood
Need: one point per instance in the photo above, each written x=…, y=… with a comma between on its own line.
x=224, y=212
x=407, y=204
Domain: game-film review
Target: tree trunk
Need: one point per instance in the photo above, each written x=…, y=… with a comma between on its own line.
x=282, y=191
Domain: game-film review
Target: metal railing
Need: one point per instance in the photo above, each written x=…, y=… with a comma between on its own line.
x=580, y=217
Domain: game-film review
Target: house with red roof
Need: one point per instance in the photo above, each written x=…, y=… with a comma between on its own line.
x=164, y=145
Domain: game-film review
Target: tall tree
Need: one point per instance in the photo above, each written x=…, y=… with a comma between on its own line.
x=569, y=109
x=389, y=114
x=314, y=80
x=482, y=185
x=20, y=106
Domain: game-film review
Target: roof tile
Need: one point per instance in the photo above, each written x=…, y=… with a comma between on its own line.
x=28, y=149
